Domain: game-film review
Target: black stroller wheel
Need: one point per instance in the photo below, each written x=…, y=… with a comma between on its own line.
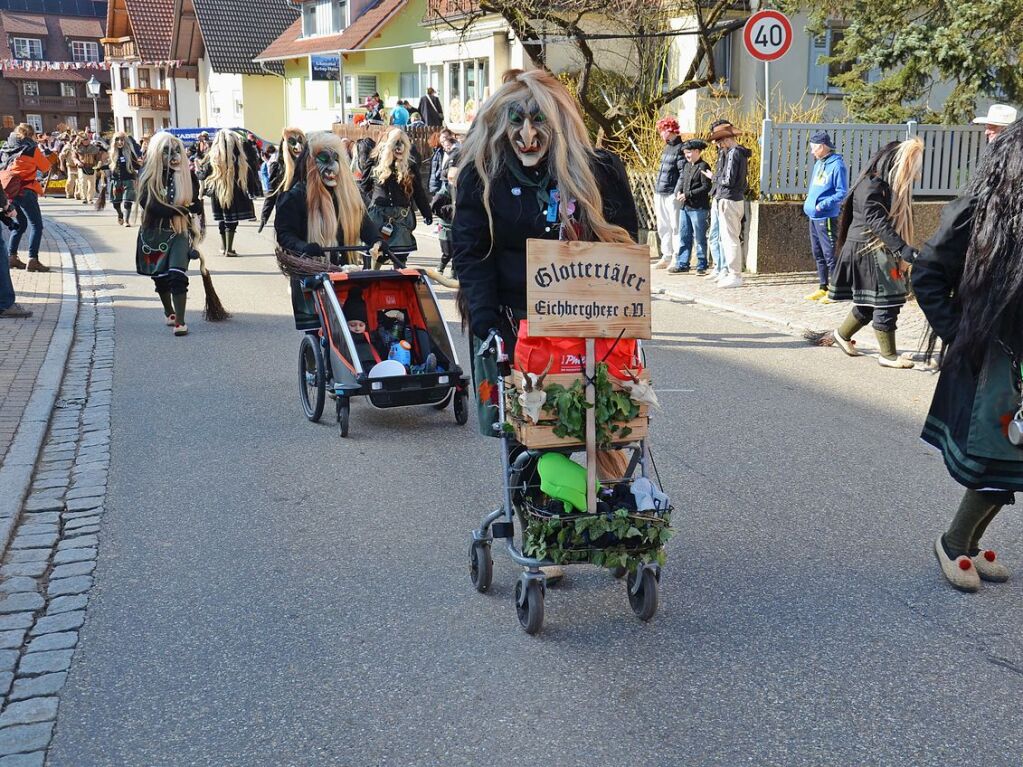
x=312, y=383
x=344, y=415
x=644, y=601
x=530, y=611
x=481, y=566
x=461, y=408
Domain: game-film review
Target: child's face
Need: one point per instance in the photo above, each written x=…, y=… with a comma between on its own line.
x=358, y=327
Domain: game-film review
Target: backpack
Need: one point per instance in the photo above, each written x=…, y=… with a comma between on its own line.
x=14, y=166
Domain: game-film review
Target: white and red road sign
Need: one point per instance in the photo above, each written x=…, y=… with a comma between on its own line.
x=767, y=35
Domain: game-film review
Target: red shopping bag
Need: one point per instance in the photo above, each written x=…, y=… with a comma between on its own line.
x=568, y=355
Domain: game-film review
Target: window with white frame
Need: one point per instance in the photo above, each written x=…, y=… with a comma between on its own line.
x=67, y=90
x=30, y=88
x=71, y=121
x=409, y=86
x=36, y=121
x=27, y=47
x=83, y=50
x=124, y=78
x=358, y=88
x=324, y=17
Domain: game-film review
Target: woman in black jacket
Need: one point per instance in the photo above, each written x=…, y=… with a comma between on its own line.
x=391, y=183
x=529, y=188
x=282, y=170
x=875, y=229
x=230, y=183
x=322, y=209
x=968, y=281
x=693, y=194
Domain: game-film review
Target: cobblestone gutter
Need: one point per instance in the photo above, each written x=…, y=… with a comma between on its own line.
x=47, y=568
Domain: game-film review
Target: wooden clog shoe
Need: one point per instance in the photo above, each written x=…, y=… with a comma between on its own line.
x=960, y=571
x=989, y=568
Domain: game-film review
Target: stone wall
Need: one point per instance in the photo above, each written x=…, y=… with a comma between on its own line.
x=779, y=239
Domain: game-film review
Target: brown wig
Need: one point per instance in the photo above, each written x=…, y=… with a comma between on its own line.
x=330, y=210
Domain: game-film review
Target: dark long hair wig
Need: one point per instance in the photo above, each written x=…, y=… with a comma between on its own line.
x=880, y=165
x=990, y=293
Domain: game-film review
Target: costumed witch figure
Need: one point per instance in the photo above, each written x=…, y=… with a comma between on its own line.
x=168, y=195
x=391, y=184
x=228, y=185
x=282, y=170
x=122, y=176
x=875, y=229
x=968, y=281
x=322, y=209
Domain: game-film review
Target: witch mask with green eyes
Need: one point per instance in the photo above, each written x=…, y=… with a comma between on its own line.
x=328, y=163
x=529, y=133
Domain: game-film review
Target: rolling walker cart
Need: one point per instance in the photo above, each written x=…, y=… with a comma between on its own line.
x=331, y=363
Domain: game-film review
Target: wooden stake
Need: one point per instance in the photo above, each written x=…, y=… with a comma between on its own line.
x=591, y=428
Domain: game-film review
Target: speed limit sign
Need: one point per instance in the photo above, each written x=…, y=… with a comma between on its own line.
x=768, y=35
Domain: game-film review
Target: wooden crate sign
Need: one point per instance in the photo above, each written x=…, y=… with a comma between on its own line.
x=587, y=289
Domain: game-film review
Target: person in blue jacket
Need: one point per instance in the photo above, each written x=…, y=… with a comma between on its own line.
x=829, y=185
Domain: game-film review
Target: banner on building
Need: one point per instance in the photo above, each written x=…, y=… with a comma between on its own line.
x=325, y=68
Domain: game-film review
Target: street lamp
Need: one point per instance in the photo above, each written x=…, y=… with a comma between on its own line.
x=93, y=87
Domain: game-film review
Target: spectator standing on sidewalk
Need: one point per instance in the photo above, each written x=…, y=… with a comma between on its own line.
x=998, y=117
x=693, y=195
x=8, y=308
x=665, y=205
x=730, y=187
x=22, y=157
x=875, y=230
x=829, y=184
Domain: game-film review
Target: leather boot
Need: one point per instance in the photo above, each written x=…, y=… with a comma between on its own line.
x=15, y=262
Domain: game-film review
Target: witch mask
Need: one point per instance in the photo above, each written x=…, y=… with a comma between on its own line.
x=528, y=133
x=172, y=155
x=295, y=145
x=328, y=163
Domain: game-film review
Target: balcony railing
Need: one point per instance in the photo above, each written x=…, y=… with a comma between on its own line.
x=119, y=48
x=61, y=103
x=148, y=98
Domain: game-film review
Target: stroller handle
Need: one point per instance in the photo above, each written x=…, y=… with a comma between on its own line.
x=394, y=254
x=493, y=344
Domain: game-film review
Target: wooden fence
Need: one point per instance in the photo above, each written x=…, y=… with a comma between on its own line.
x=951, y=153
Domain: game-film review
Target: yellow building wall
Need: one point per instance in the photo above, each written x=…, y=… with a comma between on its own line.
x=264, y=105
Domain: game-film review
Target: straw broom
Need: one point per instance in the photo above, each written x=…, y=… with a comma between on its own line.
x=214, y=310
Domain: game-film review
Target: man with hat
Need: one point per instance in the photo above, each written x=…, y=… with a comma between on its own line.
x=730, y=185
x=665, y=205
x=829, y=184
x=998, y=118
x=693, y=194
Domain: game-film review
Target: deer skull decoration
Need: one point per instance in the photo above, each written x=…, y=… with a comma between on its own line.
x=532, y=397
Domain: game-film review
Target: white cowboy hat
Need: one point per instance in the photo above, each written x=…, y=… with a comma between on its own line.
x=997, y=114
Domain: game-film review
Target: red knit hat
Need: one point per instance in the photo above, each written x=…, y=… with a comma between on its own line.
x=668, y=123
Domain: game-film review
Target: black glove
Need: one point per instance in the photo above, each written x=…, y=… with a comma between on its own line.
x=11, y=223
x=312, y=250
x=483, y=322
x=427, y=220
x=193, y=255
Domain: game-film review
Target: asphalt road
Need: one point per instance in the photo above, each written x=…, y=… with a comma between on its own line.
x=268, y=594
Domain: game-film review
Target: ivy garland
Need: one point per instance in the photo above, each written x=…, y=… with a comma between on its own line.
x=632, y=539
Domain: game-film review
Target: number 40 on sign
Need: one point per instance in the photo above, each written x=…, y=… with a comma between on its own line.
x=767, y=35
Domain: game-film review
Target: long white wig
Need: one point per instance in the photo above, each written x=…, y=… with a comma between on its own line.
x=229, y=167
x=156, y=173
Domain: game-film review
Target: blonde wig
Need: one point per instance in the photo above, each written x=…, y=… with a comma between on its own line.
x=229, y=167
x=156, y=173
x=284, y=156
x=905, y=172
x=387, y=164
x=128, y=149
x=569, y=154
x=331, y=209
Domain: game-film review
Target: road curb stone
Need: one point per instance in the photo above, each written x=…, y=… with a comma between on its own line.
x=49, y=556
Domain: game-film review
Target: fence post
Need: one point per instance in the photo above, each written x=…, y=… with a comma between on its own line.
x=765, y=157
x=911, y=127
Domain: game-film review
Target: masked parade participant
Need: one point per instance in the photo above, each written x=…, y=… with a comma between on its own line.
x=228, y=185
x=968, y=281
x=875, y=229
x=282, y=170
x=527, y=170
x=168, y=195
x=391, y=184
x=123, y=173
x=322, y=209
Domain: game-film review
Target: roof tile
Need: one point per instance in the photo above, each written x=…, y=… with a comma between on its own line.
x=292, y=45
x=236, y=31
x=152, y=22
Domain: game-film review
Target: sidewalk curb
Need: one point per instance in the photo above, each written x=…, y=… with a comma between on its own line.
x=794, y=328
x=18, y=466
